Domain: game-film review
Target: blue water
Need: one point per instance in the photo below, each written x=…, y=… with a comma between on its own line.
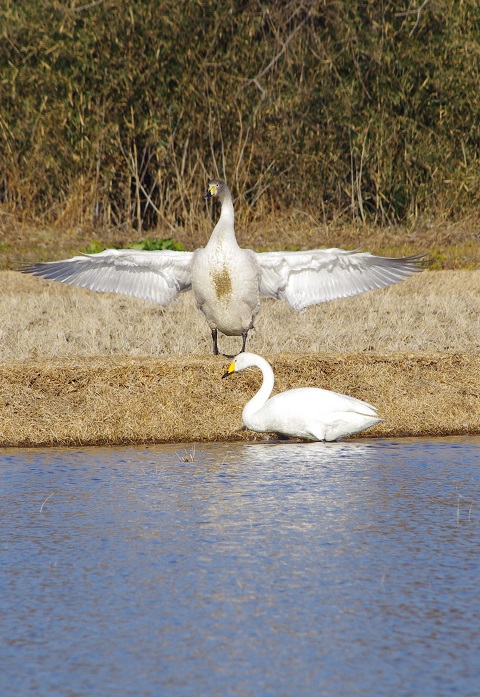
x=339, y=569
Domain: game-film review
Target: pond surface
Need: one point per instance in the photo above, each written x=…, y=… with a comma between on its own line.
x=340, y=569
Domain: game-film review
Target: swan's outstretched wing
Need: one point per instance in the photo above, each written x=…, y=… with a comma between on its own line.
x=318, y=275
x=153, y=275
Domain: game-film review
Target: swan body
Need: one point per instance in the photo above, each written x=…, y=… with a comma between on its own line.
x=225, y=277
x=306, y=412
x=227, y=280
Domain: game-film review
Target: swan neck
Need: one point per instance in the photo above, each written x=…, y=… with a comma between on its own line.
x=260, y=399
x=225, y=225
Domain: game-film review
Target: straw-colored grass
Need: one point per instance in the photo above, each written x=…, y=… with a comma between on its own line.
x=81, y=368
x=432, y=311
x=129, y=400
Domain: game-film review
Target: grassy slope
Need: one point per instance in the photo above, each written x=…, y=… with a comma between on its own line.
x=413, y=350
x=180, y=400
x=432, y=311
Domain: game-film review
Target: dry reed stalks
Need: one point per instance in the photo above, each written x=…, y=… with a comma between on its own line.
x=362, y=110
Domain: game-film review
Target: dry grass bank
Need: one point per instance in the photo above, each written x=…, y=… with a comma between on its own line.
x=432, y=311
x=82, y=368
x=117, y=401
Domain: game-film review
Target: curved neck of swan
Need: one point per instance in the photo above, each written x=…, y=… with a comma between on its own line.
x=259, y=400
x=225, y=225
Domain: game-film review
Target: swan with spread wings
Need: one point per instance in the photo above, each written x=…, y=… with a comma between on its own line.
x=227, y=280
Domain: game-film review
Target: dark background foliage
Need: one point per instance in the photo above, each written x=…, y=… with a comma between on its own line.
x=119, y=110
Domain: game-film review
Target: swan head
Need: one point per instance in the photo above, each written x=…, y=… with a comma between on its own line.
x=240, y=362
x=216, y=188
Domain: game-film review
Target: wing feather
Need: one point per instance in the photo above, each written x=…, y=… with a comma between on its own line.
x=158, y=276
x=319, y=275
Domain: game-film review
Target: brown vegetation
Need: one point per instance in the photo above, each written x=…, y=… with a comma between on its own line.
x=450, y=245
x=412, y=349
x=113, y=114
x=98, y=401
x=432, y=311
x=335, y=124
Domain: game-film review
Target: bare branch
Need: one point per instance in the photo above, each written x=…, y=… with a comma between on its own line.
x=277, y=57
x=415, y=10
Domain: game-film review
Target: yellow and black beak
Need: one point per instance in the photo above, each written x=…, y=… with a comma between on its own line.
x=211, y=191
x=230, y=370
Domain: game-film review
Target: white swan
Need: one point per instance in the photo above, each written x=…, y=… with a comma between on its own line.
x=306, y=412
x=226, y=279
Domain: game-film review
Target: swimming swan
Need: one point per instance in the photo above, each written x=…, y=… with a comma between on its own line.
x=306, y=412
x=226, y=279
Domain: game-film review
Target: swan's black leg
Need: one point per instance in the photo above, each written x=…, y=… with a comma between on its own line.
x=244, y=335
x=215, y=345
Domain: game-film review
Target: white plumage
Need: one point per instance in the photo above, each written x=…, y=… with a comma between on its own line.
x=226, y=279
x=306, y=412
